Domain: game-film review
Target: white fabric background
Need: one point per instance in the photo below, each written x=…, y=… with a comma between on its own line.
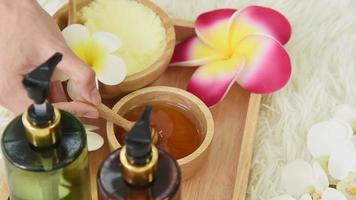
x=323, y=52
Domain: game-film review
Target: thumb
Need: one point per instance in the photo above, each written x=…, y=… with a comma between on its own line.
x=83, y=76
x=79, y=109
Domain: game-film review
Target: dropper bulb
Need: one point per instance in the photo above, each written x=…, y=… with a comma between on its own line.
x=138, y=139
x=37, y=82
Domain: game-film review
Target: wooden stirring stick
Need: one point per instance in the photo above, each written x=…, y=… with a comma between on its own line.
x=109, y=115
x=72, y=11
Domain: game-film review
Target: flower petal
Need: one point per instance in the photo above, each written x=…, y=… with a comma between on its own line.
x=348, y=113
x=283, y=197
x=353, y=140
x=342, y=160
x=306, y=197
x=258, y=20
x=192, y=52
x=75, y=34
x=113, y=71
x=211, y=82
x=90, y=127
x=95, y=141
x=212, y=28
x=332, y=194
x=108, y=40
x=297, y=178
x=348, y=186
x=58, y=75
x=320, y=177
x=72, y=90
x=323, y=136
x=267, y=64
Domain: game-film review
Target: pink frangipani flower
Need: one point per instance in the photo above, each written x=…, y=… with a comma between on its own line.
x=244, y=46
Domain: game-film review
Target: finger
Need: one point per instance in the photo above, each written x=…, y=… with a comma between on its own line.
x=18, y=104
x=57, y=93
x=79, y=109
x=83, y=76
x=15, y=98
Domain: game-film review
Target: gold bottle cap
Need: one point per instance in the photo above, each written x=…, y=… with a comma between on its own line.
x=44, y=135
x=139, y=175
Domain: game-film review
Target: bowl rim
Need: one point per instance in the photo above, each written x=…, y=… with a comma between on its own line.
x=167, y=53
x=208, y=119
x=170, y=39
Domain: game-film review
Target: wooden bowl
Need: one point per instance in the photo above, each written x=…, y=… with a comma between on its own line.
x=201, y=115
x=142, y=78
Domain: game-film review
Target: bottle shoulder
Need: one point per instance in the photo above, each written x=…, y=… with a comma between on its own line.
x=166, y=183
x=21, y=154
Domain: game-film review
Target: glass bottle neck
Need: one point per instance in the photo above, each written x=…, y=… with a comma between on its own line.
x=139, y=175
x=45, y=135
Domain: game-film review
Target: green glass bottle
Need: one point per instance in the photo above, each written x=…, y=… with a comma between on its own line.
x=45, y=149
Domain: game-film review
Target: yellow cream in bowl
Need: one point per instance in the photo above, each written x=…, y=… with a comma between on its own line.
x=139, y=28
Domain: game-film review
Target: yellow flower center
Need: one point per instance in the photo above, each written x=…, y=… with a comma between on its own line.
x=93, y=54
x=229, y=54
x=353, y=191
x=316, y=196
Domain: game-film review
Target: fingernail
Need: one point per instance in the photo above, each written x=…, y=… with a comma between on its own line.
x=95, y=97
x=92, y=115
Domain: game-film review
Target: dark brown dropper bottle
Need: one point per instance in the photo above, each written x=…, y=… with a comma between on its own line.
x=139, y=170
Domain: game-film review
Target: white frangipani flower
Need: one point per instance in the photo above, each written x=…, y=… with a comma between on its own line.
x=95, y=141
x=331, y=140
x=96, y=50
x=306, y=182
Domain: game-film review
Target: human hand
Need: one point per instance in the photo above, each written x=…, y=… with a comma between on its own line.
x=29, y=37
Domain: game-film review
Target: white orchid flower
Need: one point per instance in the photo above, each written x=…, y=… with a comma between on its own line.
x=342, y=160
x=348, y=186
x=96, y=50
x=303, y=181
x=95, y=141
x=347, y=113
x=283, y=197
x=324, y=136
x=331, y=143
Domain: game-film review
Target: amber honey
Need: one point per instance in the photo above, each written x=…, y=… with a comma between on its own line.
x=178, y=134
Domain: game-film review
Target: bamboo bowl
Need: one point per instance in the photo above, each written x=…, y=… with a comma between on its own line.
x=144, y=77
x=200, y=114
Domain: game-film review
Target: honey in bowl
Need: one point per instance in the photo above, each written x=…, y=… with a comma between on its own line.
x=177, y=133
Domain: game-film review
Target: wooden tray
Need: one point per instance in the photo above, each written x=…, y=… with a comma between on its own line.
x=226, y=173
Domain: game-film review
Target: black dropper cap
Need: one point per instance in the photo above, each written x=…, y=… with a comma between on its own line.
x=37, y=84
x=138, y=140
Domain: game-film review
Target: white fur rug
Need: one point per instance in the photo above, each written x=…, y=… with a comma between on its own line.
x=323, y=52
